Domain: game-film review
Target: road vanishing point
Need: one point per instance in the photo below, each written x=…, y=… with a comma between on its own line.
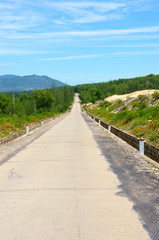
x=61, y=187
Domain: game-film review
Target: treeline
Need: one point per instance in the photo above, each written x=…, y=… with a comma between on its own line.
x=99, y=91
x=56, y=100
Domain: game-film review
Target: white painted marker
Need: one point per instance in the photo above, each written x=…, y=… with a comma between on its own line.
x=141, y=146
x=27, y=129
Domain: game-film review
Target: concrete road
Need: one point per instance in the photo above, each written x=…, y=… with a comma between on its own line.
x=61, y=187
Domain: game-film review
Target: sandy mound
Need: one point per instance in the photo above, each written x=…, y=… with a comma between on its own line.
x=129, y=95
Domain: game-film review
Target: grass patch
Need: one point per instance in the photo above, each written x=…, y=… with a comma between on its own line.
x=142, y=122
x=116, y=104
x=13, y=123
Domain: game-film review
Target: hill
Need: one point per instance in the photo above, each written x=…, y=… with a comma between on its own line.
x=127, y=100
x=99, y=91
x=136, y=113
x=15, y=83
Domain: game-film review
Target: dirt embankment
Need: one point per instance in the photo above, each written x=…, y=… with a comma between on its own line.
x=130, y=95
x=128, y=101
x=136, y=113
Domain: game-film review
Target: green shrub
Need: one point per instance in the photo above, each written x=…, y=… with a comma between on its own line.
x=105, y=104
x=155, y=95
x=136, y=104
x=138, y=122
x=140, y=105
x=116, y=104
x=138, y=132
x=124, y=108
x=153, y=125
x=140, y=97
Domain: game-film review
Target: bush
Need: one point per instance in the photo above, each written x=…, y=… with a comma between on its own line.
x=139, y=105
x=139, y=132
x=116, y=104
x=105, y=104
x=153, y=125
x=124, y=108
x=140, y=97
x=138, y=122
x=155, y=95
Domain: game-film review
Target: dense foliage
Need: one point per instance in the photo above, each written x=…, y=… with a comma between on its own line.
x=142, y=120
x=94, y=92
x=17, y=109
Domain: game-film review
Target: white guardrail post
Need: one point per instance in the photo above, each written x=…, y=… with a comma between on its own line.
x=141, y=146
x=99, y=122
x=109, y=128
x=27, y=129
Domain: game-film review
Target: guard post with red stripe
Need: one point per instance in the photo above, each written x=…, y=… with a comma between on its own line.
x=141, y=146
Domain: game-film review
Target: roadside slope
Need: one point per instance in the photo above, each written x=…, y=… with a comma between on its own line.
x=136, y=113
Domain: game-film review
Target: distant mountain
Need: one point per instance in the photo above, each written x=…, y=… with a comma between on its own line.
x=10, y=83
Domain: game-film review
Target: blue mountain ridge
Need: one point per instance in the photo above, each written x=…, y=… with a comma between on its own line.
x=15, y=83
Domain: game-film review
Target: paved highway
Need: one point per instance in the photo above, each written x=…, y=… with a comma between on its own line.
x=61, y=187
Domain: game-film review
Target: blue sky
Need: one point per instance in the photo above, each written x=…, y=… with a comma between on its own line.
x=79, y=41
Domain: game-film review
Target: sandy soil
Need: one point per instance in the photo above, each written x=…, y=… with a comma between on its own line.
x=129, y=95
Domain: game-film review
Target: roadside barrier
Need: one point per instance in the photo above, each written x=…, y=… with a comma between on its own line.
x=27, y=130
x=109, y=128
x=143, y=147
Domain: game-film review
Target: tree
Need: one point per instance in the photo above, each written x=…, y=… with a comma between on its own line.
x=43, y=99
x=5, y=103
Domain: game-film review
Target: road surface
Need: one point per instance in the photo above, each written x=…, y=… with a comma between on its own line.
x=61, y=187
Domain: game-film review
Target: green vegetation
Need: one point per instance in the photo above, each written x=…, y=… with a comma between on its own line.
x=155, y=95
x=99, y=91
x=19, y=109
x=140, y=105
x=92, y=95
x=139, y=117
x=141, y=122
x=115, y=105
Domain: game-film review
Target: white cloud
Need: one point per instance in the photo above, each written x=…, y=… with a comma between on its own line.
x=20, y=52
x=17, y=15
x=72, y=57
x=96, y=33
x=87, y=12
x=139, y=5
x=101, y=55
x=92, y=17
x=77, y=6
x=142, y=45
x=4, y=6
x=136, y=53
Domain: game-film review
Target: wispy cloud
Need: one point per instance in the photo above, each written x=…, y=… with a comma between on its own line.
x=77, y=6
x=86, y=12
x=136, y=53
x=20, y=52
x=24, y=15
x=142, y=45
x=72, y=57
x=101, y=55
x=97, y=33
x=139, y=5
